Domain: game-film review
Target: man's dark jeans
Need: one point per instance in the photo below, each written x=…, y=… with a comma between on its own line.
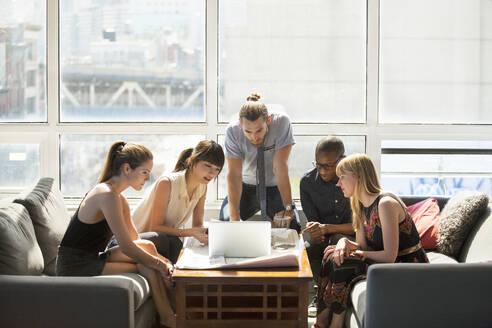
x=249, y=205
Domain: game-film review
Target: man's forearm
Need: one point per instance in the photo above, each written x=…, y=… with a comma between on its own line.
x=344, y=228
x=283, y=184
x=234, y=190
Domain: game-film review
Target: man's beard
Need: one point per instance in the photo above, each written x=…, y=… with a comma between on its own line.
x=262, y=141
x=258, y=145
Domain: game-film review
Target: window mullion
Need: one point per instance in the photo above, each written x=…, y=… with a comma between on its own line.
x=50, y=157
x=372, y=87
x=211, y=84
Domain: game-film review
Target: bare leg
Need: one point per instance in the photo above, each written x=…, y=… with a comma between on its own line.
x=119, y=262
x=159, y=295
x=170, y=291
x=117, y=254
x=337, y=320
x=119, y=267
x=321, y=320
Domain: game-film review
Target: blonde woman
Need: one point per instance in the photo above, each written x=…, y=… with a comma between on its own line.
x=385, y=233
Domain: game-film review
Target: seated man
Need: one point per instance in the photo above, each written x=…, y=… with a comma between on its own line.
x=327, y=210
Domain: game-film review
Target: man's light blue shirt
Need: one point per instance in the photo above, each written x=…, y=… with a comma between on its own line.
x=238, y=146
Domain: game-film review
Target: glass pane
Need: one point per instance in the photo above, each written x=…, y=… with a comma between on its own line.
x=129, y=60
x=303, y=152
x=23, y=61
x=296, y=55
x=435, y=185
x=436, y=61
x=19, y=165
x=82, y=158
x=446, y=164
x=446, y=172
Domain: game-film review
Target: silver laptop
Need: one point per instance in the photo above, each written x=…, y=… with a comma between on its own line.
x=239, y=238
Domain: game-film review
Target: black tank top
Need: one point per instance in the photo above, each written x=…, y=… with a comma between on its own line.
x=92, y=238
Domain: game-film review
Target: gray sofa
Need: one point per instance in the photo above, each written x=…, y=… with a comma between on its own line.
x=31, y=228
x=448, y=292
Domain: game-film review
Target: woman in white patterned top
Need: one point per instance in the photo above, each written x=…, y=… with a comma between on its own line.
x=177, y=196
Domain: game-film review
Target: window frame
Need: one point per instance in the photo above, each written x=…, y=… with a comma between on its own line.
x=48, y=134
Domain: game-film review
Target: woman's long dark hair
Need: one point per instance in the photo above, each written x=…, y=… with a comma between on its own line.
x=206, y=150
x=121, y=152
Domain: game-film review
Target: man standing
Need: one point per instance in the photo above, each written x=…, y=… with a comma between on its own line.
x=327, y=211
x=257, y=151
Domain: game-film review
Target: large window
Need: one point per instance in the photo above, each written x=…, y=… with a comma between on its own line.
x=19, y=164
x=82, y=158
x=23, y=61
x=307, y=58
x=413, y=167
x=436, y=61
x=407, y=82
x=127, y=61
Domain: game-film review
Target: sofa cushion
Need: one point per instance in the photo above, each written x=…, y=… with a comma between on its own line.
x=19, y=250
x=425, y=215
x=458, y=217
x=428, y=295
x=478, y=245
x=358, y=298
x=49, y=216
x=435, y=257
x=140, y=287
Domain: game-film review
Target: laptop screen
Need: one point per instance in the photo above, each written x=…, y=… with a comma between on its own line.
x=239, y=238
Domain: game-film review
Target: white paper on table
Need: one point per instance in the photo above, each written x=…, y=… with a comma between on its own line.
x=195, y=255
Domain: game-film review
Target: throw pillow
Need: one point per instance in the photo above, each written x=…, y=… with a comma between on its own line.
x=458, y=217
x=19, y=250
x=425, y=215
x=49, y=217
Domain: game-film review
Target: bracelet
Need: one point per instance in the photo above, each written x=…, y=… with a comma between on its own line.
x=360, y=253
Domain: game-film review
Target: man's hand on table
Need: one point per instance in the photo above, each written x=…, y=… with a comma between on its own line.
x=316, y=231
x=285, y=213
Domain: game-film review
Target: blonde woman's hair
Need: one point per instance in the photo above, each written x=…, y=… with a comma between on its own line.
x=366, y=180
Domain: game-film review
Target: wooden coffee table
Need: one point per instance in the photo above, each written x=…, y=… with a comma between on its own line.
x=276, y=297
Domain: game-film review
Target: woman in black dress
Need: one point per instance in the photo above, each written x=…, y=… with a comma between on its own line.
x=105, y=212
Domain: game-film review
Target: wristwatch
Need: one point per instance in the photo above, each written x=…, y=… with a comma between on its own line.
x=289, y=207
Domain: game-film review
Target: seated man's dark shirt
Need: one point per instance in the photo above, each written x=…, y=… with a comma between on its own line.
x=322, y=201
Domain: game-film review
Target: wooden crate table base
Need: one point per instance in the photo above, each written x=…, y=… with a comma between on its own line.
x=246, y=298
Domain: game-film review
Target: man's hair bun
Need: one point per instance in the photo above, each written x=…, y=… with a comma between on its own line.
x=254, y=97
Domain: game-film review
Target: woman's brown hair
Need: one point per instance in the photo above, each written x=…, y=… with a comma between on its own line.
x=205, y=150
x=120, y=153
